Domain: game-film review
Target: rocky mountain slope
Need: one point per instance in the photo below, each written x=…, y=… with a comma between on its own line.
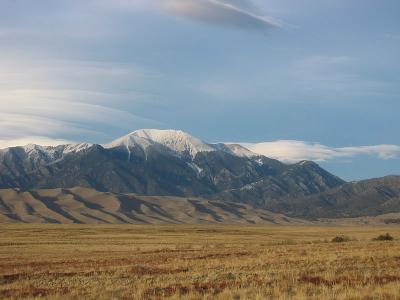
x=163, y=162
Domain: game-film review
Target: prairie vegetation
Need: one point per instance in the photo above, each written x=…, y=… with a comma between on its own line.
x=197, y=262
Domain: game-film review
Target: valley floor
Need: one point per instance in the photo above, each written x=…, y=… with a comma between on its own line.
x=197, y=262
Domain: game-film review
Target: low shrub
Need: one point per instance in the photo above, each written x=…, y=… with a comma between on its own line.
x=392, y=221
x=341, y=239
x=384, y=237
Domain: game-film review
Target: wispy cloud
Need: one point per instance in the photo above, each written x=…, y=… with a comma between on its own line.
x=218, y=12
x=291, y=151
x=69, y=99
x=393, y=36
x=342, y=75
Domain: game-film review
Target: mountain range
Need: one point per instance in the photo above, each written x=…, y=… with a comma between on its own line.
x=171, y=163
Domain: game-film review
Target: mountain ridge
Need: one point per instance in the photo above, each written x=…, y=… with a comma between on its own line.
x=353, y=199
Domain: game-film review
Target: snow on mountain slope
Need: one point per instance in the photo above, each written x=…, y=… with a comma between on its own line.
x=177, y=141
x=174, y=142
x=75, y=148
x=130, y=141
x=46, y=154
x=236, y=149
x=52, y=151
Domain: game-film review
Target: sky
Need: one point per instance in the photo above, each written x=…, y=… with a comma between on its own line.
x=304, y=79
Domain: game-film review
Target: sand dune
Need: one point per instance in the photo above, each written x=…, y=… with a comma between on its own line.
x=88, y=206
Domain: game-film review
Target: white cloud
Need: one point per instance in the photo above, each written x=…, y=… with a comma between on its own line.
x=219, y=12
x=291, y=151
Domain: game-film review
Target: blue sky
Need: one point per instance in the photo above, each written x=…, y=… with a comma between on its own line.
x=301, y=75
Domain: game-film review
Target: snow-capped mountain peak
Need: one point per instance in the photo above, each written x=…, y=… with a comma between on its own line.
x=32, y=149
x=174, y=142
x=37, y=154
x=177, y=141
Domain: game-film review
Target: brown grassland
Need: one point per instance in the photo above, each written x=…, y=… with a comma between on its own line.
x=197, y=262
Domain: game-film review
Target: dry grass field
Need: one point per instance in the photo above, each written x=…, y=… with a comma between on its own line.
x=197, y=262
